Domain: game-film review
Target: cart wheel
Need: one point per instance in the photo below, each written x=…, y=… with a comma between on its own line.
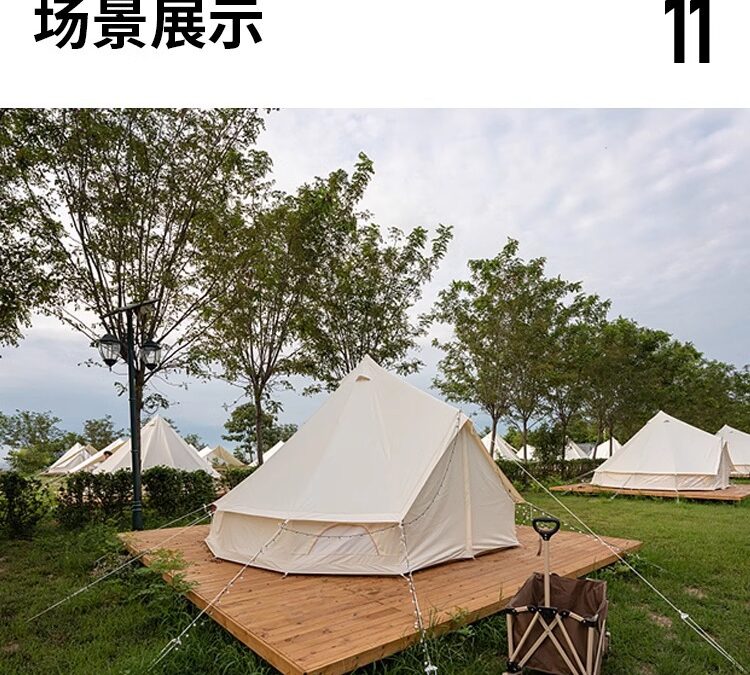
x=607, y=641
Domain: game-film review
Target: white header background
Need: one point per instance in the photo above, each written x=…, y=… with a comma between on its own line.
x=526, y=53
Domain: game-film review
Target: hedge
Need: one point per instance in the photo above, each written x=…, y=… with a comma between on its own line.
x=172, y=492
x=23, y=503
x=87, y=497
x=233, y=476
x=550, y=471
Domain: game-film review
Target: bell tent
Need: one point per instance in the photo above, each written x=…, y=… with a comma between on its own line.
x=272, y=451
x=70, y=459
x=97, y=458
x=220, y=456
x=667, y=454
x=603, y=450
x=161, y=445
x=530, y=453
x=573, y=451
x=738, y=445
x=503, y=449
x=387, y=479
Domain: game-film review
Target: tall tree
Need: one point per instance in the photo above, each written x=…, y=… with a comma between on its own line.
x=473, y=368
x=29, y=277
x=100, y=432
x=362, y=296
x=572, y=351
x=278, y=248
x=130, y=200
x=241, y=429
x=35, y=438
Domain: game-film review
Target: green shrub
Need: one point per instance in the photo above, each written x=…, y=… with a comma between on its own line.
x=87, y=498
x=23, y=503
x=550, y=471
x=172, y=492
x=233, y=476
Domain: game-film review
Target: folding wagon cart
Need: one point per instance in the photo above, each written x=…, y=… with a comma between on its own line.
x=557, y=625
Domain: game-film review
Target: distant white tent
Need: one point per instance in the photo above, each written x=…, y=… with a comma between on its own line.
x=220, y=456
x=70, y=459
x=382, y=469
x=530, y=452
x=272, y=451
x=738, y=445
x=574, y=451
x=503, y=449
x=161, y=445
x=602, y=450
x=668, y=454
x=97, y=458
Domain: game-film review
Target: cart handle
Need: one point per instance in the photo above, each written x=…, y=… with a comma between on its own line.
x=545, y=527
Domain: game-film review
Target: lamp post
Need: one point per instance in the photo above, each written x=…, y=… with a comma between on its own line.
x=111, y=349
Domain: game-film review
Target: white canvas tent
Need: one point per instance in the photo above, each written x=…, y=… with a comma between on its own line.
x=220, y=456
x=668, y=454
x=573, y=451
x=377, y=456
x=530, y=452
x=161, y=445
x=272, y=451
x=738, y=445
x=97, y=458
x=70, y=459
x=602, y=450
x=503, y=449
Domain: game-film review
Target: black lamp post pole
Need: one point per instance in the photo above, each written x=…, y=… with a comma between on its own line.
x=111, y=349
x=135, y=426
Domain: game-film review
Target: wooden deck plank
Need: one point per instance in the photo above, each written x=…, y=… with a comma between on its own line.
x=734, y=493
x=328, y=625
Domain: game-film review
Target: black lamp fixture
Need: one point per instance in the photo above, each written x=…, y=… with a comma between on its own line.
x=110, y=349
x=151, y=354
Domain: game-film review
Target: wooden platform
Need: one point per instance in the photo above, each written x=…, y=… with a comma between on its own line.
x=334, y=624
x=734, y=493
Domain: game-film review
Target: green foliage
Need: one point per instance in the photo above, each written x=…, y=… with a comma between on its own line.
x=99, y=433
x=241, y=429
x=234, y=475
x=363, y=296
x=195, y=440
x=130, y=203
x=35, y=438
x=23, y=503
x=172, y=492
x=273, y=257
x=88, y=498
x=548, y=471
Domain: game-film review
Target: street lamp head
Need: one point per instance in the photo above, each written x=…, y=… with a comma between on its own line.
x=151, y=354
x=109, y=348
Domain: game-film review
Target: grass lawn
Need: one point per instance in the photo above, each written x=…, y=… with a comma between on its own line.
x=697, y=554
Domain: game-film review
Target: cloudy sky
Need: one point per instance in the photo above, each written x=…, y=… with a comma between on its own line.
x=648, y=208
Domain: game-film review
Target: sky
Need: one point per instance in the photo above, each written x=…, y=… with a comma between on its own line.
x=649, y=208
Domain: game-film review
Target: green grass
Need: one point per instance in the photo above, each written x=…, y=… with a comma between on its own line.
x=695, y=553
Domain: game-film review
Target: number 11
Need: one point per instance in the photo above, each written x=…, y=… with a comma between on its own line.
x=704, y=24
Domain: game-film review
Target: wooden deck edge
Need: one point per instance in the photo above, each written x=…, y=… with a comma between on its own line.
x=697, y=496
x=382, y=651
x=286, y=665
x=273, y=656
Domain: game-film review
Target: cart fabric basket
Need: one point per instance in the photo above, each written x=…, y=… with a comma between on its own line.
x=557, y=625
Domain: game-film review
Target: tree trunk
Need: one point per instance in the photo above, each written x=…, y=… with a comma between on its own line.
x=259, y=428
x=493, y=437
x=610, y=431
x=524, y=435
x=564, y=426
